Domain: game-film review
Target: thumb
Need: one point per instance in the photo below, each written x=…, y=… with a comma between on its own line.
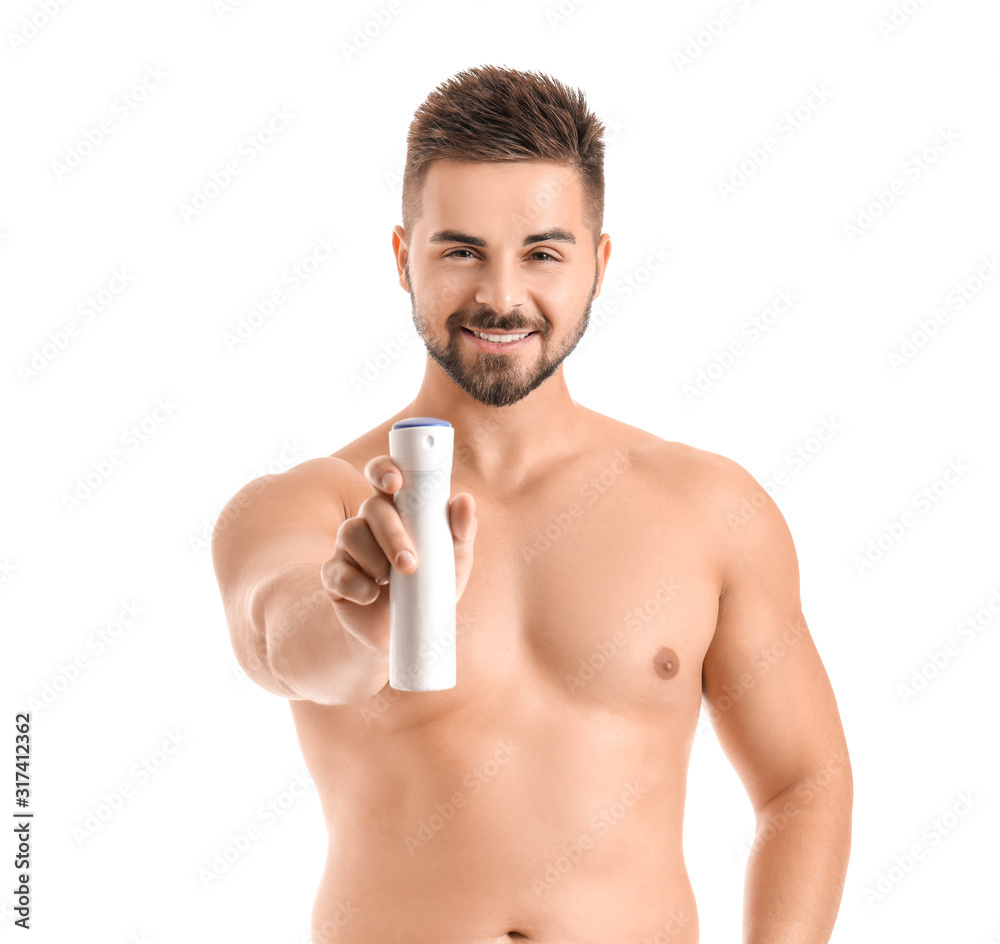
x=462, y=515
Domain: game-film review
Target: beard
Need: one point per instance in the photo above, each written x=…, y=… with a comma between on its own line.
x=492, y=378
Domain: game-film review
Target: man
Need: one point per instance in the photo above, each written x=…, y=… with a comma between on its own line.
x=619, y=579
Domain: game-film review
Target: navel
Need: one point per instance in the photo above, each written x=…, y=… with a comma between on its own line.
x=666, y=662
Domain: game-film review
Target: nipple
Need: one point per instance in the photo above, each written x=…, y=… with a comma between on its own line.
x=666, y=662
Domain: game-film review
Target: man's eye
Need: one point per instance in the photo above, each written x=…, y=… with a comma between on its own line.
x=470, y=255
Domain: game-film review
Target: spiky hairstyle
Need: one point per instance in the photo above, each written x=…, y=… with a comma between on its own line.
x=491, y=113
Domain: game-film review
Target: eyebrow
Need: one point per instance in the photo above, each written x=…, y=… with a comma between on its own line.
x=453, y=236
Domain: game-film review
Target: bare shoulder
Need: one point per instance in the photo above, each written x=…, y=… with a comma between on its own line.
x=683, y=468
x=737, y=516
x=318, y=491
x=326, y=475
x=731, y=518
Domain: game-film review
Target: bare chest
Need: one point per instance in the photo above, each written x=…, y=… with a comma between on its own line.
x=602, y=588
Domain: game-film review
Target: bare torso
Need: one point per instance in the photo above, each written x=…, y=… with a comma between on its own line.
x=543, y=797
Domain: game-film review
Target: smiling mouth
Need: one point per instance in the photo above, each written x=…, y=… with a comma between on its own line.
x=499, y=337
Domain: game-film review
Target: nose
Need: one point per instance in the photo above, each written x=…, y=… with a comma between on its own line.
x=501, y=286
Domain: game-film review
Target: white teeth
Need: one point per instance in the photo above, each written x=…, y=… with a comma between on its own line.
x=502, y=338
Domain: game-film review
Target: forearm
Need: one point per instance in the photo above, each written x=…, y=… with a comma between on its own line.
x=798, y=861
x=306, y=647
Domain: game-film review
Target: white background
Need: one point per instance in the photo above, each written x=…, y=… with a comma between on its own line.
x=917, y=104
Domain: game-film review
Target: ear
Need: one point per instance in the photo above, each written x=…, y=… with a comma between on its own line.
x=603, y=254
x=399, y=251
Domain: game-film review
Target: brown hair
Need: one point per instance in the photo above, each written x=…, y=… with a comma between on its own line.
x=489, y=113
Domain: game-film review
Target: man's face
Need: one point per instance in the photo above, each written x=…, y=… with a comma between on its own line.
x=502, y=248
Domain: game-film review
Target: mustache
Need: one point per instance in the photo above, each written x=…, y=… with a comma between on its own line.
x=504, y=327
x=493, y=330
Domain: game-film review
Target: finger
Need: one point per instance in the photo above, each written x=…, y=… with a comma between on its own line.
x=462, y=515
x=343, y=581
x=383, y=474
x=355, y=539
x=388, y=529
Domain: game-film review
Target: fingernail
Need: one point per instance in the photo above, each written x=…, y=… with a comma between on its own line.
x=404, y=559
x=384, y=579
x=386, y=479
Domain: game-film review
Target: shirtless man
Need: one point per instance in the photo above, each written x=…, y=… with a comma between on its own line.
x=619, y=579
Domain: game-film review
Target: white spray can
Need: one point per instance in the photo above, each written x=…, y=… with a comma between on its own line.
x=422, y=656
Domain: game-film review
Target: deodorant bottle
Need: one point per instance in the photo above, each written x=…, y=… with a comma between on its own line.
x=422, y=654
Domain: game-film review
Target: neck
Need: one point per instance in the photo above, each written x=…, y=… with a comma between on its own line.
x=498, y=448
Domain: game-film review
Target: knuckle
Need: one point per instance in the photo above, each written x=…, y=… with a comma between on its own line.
x=349, y=531
x=332, y=574
x=377, y=467
x=371, y=506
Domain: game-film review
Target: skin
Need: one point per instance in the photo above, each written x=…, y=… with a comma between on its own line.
x=609, y=583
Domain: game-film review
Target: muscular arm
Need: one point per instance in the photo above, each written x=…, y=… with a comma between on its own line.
x=774, y=712
x=268, y=548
